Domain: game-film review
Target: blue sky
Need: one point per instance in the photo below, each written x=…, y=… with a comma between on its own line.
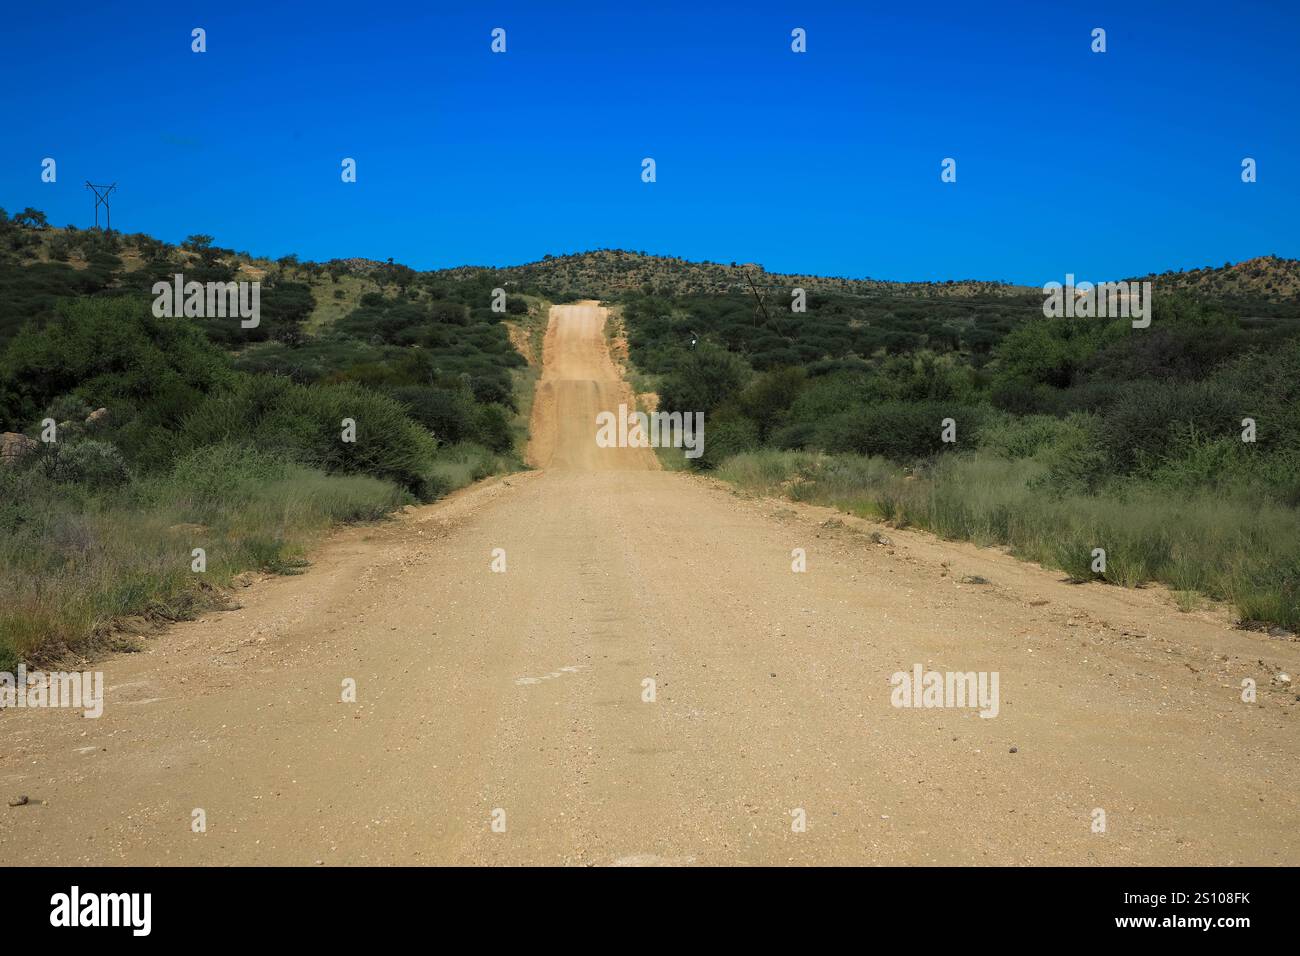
x=1103, y=165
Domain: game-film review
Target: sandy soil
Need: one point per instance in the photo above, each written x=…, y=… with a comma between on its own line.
x=522, y=692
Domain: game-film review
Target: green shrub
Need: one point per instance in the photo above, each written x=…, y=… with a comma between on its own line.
x=701, y=380
x=115, y=353
x=767, y=398
x=96, y=464
x=448, y=413
x=902, y=431
x=1145, y=421
x=306, y=423
x=724, y=438
x=793, y=437
x=1075, y=460
x=1020, y=437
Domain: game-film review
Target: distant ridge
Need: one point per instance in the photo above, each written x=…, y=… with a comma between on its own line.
x=606, y=273
x=1264, y=277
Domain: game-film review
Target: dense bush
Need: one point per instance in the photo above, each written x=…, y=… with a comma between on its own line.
x=726, y=437
x=702, y=380
x=766, y=400
x=1142, y=425
x=492, y=427
x=95, y=464
x=902, y=431
x=112, y=352
x=448, y=413
x=307, y=422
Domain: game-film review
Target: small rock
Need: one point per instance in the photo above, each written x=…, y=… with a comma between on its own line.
x=973, y=579
x=1014, y=750
x=879, y=538
x=20, y=801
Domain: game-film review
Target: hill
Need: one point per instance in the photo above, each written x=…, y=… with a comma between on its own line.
x=612, y=273
x=1270, y=278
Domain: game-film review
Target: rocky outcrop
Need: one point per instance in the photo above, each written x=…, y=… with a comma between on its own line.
x=15, y=446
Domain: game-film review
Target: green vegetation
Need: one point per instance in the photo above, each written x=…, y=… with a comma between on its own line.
x=215, y=436
x=1071, y=434
x=76, y=558
x=1229, y=548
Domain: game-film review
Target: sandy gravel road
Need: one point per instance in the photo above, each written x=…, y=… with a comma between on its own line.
x=522, y=692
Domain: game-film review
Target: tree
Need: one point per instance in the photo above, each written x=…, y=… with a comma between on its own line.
x=31, y=218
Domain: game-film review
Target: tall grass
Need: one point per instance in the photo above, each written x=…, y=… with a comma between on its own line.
x=1230, y=546
x=73, y=561
x=455, y=466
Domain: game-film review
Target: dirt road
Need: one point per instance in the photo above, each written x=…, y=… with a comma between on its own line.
x=522, y=692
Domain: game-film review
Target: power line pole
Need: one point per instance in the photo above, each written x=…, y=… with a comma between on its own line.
x=102, y=198
x=757, y=298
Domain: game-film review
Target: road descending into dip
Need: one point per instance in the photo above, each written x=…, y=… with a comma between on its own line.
x=519, y=697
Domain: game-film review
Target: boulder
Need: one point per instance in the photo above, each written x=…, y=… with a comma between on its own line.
x=15, y=446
